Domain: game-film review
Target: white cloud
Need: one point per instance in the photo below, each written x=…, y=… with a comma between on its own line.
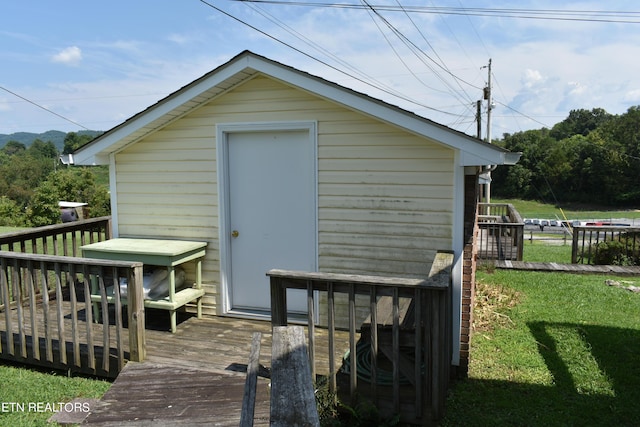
x=632, y=96
x=71, y=55
x=4, y=105
x=531, y=78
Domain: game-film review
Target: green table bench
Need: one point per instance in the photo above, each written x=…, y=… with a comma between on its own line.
x=155, y=252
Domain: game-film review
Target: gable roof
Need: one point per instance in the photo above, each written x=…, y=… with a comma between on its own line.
x=474, y=152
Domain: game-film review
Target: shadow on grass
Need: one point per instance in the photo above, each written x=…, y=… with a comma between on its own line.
x=608, y=397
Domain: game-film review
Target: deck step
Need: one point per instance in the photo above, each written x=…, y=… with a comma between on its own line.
x=168, y=395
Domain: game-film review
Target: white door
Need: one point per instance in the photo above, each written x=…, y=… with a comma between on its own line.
x=271, y=214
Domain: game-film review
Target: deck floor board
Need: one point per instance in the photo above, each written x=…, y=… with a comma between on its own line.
x=166, y=395
x=569, y=268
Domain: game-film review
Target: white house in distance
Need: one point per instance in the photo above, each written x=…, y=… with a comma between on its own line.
x=277, y=168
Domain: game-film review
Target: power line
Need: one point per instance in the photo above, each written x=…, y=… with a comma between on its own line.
x=419, y=53
x=522, y=114
x=316, y=46
x=290, y=46
x=607, y=16
x=44, y=108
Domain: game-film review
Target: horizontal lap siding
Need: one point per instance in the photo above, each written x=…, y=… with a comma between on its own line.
x=385, y=196
x=167, y=188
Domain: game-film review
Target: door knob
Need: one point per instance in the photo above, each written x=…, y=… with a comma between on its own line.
x=235, y=233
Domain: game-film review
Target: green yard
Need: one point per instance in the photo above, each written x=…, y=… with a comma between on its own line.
x=551, y=349
x=44, y=391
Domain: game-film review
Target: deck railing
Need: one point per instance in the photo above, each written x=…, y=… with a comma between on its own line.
x=400, y=357
x=59, y=239
x=501, y=232
x=590, y=242
x=45, y=318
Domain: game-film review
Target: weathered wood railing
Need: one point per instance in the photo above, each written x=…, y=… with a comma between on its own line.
x=59, y=239
x=251, y=382
x=46, y=319
x=588, y=243
x=501, y=232
x=293, y=401
x=417, y=340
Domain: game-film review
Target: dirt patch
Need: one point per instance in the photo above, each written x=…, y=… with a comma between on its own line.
x=492, y=305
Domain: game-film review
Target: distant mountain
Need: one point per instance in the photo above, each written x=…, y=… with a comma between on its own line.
x=55, y=136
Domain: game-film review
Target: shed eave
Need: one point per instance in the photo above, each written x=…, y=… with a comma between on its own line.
x=488, y=157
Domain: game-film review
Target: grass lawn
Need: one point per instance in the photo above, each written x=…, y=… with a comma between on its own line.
x=538, y=251
x=4, y=229
x=533, y=209
x=23, y=386
x=550, y=349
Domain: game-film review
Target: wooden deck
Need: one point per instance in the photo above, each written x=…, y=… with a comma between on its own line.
x=569, y=268
x=494, y=245
x=194, y=376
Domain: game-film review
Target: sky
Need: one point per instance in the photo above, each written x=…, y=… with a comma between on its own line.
x=75, y=64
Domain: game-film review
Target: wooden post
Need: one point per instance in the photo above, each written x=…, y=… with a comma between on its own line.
x=278, y=302
x=574, y=247
x=4, y=294
x=293, y=401
x=135, y=295
x=251, y=383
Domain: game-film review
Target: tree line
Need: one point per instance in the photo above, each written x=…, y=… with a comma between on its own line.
x=590, y=157
x=33, y=181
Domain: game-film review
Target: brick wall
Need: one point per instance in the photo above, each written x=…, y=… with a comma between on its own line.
x=468, y=270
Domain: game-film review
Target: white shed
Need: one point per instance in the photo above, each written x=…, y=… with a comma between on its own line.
x=277, y=168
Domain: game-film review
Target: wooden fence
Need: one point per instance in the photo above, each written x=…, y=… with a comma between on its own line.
x=501, y=231
x=588, y=243
x=45, y=318
x=408, y=332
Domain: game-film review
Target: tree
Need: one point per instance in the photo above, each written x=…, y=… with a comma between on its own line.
x=13, y=147
x=534, y=146
x=11, y=215
x=72, y=184
x=40, y=148
x=580, y=122
x=43, y=208
x=20, y=174
x=516, y=181
x=73, y=141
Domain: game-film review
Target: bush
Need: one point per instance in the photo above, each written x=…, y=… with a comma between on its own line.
x=11, y=214
x=624, y=251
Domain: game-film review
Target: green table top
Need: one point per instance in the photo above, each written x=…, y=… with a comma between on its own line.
x=144, y=249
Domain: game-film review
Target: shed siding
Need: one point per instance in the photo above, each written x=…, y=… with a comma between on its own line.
x=385, y=196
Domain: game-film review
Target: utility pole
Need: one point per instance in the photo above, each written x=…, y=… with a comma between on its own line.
x=487, y=96
x=479, y=118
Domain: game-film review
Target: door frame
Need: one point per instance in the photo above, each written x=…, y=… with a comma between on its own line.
x=223, y=130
